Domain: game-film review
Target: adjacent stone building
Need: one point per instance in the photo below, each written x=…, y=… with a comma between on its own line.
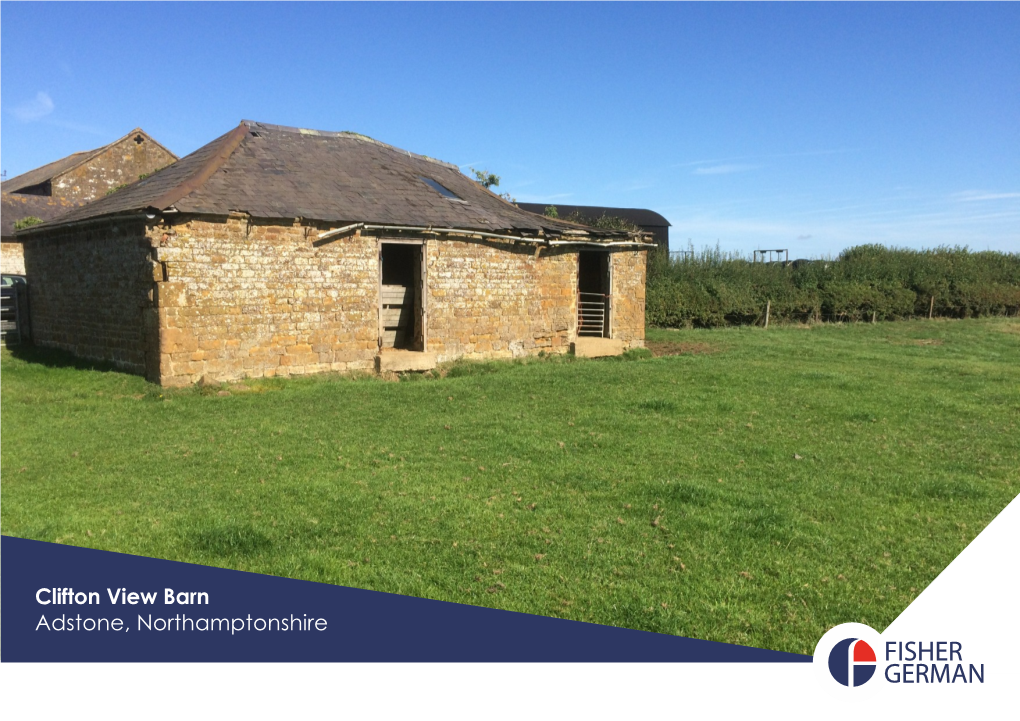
x=649, y=221
x=47, y=192
x=283, y=251
x=15, y=207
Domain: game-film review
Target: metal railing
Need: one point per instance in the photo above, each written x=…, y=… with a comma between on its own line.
x=592, y=314
x=10, y=315
x=774, y=256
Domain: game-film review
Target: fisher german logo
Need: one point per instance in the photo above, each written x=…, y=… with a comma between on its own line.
x=852, y=662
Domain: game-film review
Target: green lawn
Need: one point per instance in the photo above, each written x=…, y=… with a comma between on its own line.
x=759, y=490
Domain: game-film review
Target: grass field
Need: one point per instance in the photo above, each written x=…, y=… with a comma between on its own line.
x=757, y=488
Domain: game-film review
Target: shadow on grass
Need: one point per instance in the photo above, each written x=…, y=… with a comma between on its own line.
x=54, y=358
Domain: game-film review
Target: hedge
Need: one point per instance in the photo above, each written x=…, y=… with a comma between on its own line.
x=713, y=288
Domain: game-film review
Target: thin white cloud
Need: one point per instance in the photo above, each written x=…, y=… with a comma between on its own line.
x=968, y=196
x=35, y=109
x=724, y=169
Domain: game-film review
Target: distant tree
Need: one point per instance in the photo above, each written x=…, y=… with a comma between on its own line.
x=26, y=222
x=551, y=212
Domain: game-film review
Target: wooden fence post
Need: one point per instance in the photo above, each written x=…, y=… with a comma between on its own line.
x=768, y=308
x=931, y=307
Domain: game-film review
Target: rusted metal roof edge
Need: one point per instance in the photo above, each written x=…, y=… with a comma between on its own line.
x=185, y=188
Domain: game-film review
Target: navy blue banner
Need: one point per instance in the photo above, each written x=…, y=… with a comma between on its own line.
x=62, y=603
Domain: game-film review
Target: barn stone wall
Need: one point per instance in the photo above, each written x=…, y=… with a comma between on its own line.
x=89, y=292
x=493, y=300
x=490, y=300
x=628, y=314
x=12, y=258
x=252, y=300
x=121, y=163
x=228, y=298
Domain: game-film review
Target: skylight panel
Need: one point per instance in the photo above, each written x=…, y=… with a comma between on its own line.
x=442, y=190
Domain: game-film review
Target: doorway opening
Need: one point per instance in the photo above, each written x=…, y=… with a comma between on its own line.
x=594, y=284
x=401, y=321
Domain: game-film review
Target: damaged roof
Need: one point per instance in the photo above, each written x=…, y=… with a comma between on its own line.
x=58, y=167
x=14, y=207
x=272, y=171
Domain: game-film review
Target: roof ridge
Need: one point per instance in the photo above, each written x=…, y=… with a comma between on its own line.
x=255, y=125
x=231, y=141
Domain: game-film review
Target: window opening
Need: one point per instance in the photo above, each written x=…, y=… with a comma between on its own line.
x=44, y=188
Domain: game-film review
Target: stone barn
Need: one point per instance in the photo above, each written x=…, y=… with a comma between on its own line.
x=276, y=251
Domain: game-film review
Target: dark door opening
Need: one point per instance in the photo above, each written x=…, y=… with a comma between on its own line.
x=593, y=294
x=401, y=320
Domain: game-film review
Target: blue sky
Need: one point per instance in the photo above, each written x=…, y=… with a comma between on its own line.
x=808, y=127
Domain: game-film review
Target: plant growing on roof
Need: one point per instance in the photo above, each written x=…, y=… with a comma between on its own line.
x=26, y=222
x=486, y=179
x=551, y=212
x=605, y=222
x=490, y=180
x=143, y=176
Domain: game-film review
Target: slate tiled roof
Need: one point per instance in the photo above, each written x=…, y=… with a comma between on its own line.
x=14, y=207
x=271, y=171
x=59, y=167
